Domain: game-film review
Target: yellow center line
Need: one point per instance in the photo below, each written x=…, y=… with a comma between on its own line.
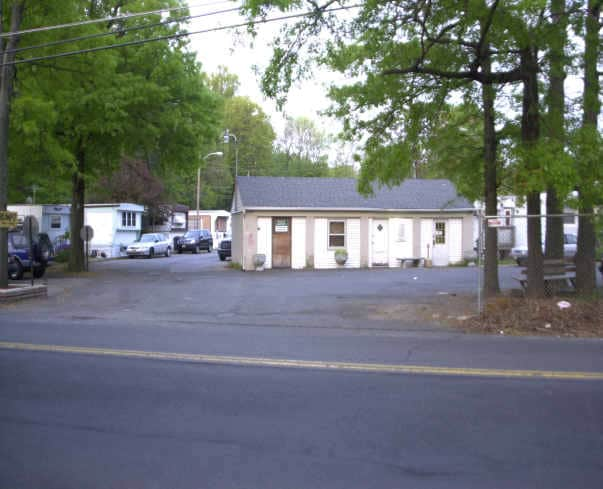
x=311, y=364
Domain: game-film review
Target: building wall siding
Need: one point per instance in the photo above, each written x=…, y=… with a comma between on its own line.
x=250, y=230
x=310, y=241
x=237, y=238
x=364, y=241
x=418, y=230
x=455, y=241
x=298, y=242
x=325, y=257
x=264, y=239
x=426, y=239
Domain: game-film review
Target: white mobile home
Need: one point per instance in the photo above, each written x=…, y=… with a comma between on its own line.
x=115, y=226
x=301, y=222
x=216, y=221
x=53, y=219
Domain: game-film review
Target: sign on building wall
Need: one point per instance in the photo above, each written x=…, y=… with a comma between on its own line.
x=281, y=226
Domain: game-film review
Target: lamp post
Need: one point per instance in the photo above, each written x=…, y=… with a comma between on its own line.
x=209, y=155
x=227, y=136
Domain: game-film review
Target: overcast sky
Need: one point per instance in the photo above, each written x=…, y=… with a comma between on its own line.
x=232, y=49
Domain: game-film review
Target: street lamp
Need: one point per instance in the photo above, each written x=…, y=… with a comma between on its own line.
x=215, y=153
x=227, y=136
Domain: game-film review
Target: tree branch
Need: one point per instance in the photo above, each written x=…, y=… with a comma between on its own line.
x=497, y=77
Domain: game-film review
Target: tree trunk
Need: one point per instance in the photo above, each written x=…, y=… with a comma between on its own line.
x=556, y=122
x=76, y=258
x=585, y=256
x=491, y=284
x=554, y=225
x=530, y=132
x=7, y=77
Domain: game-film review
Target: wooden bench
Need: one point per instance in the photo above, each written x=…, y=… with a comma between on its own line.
x=557, y=274
x=415, y=262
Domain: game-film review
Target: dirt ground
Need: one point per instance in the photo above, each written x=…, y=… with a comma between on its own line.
x=557, y=316
x=506, y=315
x=510, y=315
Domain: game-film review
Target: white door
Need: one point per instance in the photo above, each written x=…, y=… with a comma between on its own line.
x=440, y=244
x=264, y=237
x=379, y=242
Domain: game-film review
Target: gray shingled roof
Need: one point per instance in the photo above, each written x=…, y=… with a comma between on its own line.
x=341, y=193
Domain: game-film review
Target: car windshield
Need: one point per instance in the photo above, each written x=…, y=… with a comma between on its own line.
x=570, y=239
x=147, y=238
x=191, y=234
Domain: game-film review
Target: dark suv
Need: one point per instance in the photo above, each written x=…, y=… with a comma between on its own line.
x=225, y=249
x=18, y=249
x=196, y=241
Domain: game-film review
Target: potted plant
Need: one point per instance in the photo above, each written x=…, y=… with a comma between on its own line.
x=258, y=261
x=341, y=256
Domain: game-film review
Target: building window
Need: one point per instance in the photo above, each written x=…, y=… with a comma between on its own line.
x=336, y=234
x=440, y=233
x=128, y=219
x=55, y=222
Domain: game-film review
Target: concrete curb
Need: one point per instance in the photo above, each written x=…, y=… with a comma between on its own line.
x=17, y=292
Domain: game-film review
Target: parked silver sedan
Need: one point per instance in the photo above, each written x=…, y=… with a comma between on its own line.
x=149, y=245
x=570, y=243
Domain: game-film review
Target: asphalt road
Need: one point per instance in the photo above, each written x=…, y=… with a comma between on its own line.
x=73, y=421
x=96, y=420
x=200, y=288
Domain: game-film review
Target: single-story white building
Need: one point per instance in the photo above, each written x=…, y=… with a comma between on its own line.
x=115, y=226
x=299, y=222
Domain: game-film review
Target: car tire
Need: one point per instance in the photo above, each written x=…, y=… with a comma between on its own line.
x=168, y=252
x=196, y=250
x=18, y=273
x=222, y=257
x=151, y=253
x=179, y=251
x=39, y=271
x=130, y=256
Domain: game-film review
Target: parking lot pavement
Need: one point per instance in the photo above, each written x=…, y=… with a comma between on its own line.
x=195, y=289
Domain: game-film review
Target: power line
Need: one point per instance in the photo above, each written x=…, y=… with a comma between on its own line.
x=125, y=30
x=105, y=19
x=173, y=36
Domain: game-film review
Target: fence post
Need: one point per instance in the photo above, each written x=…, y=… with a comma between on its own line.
x=480, y=224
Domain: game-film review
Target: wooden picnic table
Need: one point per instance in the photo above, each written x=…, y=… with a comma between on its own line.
x=557, y=274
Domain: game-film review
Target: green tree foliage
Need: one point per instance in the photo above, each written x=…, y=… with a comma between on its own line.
x=79, y=115
x=254, y=136
x=301, y=150
x=224, y=83
x=457, y=131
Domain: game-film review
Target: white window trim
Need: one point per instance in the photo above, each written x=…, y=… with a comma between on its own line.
x=52, y=221
x=130, y=219
x=443, y=236
x=329, y=234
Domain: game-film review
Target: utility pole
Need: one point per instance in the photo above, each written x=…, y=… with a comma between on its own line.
x=7, y=76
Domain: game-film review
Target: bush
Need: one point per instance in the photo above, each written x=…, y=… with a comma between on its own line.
x=62, y=256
